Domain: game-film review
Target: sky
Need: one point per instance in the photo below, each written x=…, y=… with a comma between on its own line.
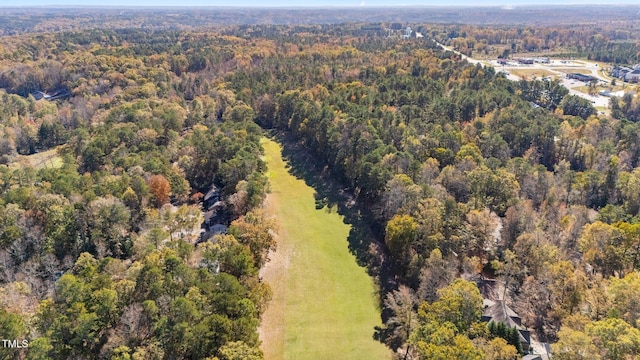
x=297, y=3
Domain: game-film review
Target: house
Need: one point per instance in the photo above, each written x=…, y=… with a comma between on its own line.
x=39, y=95
x=620, y=72
x=633, y=76
x=211, y=197
x=58, y=94
x=498, y=311
x=407, y=32
x=214, y=214
x=218, y=229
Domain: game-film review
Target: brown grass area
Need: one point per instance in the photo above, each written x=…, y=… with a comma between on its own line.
x=44, y=159
x=274, y=273
x=530, y=73
x=575, y=70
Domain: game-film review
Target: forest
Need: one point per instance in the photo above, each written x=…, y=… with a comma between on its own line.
x=467, y=178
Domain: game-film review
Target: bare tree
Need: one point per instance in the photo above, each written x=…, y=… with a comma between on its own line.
x=402, y=303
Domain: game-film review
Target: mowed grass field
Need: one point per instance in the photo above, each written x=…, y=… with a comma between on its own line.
x=324, y=304
x=530, y=73
x=44, y=159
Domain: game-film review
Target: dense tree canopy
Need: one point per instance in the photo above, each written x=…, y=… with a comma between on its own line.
x=460, y=172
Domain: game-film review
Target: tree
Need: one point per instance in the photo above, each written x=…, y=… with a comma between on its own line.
x=625, y=293
x=186, y=220
x=229, y=256
x=574, y=345
x=440, y=341
x=566, y=285
x=498, y=349
x=600, y=245
x=577, y=106
x=401, y=194
x=402, y=304
x=255, y=230
x=13, y=327
x=108, y=227
x=495, y=189
x=628, y=184
x=479, y=232
x=160, y=189
x=239, y=113
x=121, y=353
x=509, y=269
x=459, y=303
x=436, y=274
x=400, y=233
x=238, y=350
x=615, y=339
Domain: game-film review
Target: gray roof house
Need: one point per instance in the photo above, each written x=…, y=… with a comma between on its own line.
x=499, y=312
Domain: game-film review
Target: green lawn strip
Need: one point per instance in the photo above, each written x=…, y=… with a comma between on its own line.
x=330, y=306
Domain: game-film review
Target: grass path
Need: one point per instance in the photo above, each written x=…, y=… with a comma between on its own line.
x=324, y=304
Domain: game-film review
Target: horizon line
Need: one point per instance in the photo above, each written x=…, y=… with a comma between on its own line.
x=503, y=6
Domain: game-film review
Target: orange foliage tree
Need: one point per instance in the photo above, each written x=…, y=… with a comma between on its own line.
x=160, y=189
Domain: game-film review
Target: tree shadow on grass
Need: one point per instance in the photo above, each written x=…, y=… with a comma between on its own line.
x=332, y=196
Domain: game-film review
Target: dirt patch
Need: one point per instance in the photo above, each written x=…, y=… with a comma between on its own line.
x=531, y=73
x=573, y=70
x=274, y=273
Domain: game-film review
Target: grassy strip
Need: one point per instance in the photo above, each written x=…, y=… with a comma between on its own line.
x=328, y=310
x=530, y=73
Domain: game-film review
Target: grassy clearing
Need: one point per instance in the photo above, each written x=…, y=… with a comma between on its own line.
x=45, y=159
x=584, y=89
x=530, y=73
x=324, y=304
x=573, y=70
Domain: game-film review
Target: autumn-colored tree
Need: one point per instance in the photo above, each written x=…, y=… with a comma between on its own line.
x=574, y=345
x=479, y=233
x=437, y=273
x=401, y=232
x=615, y=339
x=255, y=230
x=601, y=245
x=497, y=349
x=625, y=293
x=160, y=189
x=459, y=304
x=435, y=341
